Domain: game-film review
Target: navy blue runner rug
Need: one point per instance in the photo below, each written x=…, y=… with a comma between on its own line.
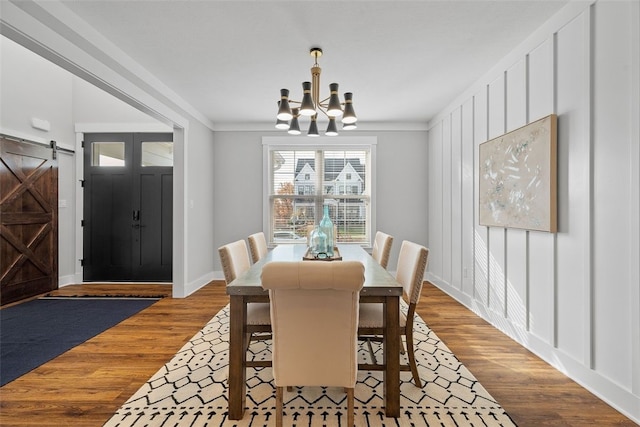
x=34, y=332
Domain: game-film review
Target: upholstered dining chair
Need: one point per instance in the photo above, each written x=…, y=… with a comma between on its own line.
x=235, y=261
x=412, y=263
x=314, y=318
x=257, y=246
x=382, y=248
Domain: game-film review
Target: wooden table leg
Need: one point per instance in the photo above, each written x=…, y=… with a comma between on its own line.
x=237, y=356
x=391, y=352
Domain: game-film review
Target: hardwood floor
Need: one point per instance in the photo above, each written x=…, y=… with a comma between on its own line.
x=84, y=386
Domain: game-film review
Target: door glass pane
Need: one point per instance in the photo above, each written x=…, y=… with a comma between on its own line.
x=157, y=153
x=107, y=153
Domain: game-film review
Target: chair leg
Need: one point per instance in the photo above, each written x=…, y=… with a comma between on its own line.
x=247, y=341
x=279, y=397
x=350, y=416
x=402, y=351
x=373, y=356
x=412, y=358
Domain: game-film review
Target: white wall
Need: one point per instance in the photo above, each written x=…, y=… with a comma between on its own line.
x=86, y=54
x=571, y=297
x=32, y=87
x=35, y=87
x=400, y=170
x=92, y=105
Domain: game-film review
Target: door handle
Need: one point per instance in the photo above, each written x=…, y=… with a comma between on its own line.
x=136, y=215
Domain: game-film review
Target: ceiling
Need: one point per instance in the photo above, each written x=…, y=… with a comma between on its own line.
x=404, y=61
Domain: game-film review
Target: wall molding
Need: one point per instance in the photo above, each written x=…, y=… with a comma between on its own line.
x=576, y=320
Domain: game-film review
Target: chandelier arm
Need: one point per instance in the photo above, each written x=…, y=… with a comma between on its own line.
x=323, y=111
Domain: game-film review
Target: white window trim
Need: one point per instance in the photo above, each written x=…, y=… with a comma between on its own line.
x=323, y=142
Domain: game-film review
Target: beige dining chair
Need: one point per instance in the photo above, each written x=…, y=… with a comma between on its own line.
x=382, y=248
x=257, y=246
x=412, y=263
x=235, y=261
x=314, y=317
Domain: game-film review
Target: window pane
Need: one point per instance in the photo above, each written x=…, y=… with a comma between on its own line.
x=292, y=217
x=107, y=153
x=351, y=218
x=293, y=172
x=344, y=172
x=157, y=154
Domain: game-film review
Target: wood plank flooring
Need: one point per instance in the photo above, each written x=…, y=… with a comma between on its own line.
x=84, y=386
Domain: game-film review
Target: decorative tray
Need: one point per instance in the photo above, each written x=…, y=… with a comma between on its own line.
x=336, y=256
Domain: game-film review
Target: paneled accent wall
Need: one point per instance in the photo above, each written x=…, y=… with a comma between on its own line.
x=571, y=297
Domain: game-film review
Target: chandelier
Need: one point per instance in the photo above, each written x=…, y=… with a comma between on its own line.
x=311, y=104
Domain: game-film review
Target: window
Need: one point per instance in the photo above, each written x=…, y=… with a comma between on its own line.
x=293, y=213
x=107, y=153
x=157, y=153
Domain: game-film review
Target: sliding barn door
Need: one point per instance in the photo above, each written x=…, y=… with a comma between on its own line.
x=28, y=220
x=128, y=207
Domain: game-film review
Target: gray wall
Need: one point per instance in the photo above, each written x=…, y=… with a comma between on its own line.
x=401, y=176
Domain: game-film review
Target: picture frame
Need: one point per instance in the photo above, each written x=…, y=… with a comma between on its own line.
x=518, y=178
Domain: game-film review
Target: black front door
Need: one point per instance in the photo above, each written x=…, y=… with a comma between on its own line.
x=128, y=199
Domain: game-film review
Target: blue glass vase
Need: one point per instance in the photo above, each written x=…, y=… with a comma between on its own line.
x=317, y=242
x=326, y=226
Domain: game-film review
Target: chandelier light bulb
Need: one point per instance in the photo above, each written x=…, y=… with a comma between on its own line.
x=294, y=127
x=284, y=111
x=332, y=130
x=349, y=115
x=313, y=127
x=282, y=124
x=307, y=107
x=334, y=109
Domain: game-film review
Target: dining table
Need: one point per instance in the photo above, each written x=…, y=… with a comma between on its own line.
x=379, y=287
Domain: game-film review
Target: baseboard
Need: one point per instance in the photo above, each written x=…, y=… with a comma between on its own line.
x=608, y=391
x=194, y=285
x=67, y=280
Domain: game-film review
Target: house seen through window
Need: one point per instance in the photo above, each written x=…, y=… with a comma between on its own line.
x=303, y=180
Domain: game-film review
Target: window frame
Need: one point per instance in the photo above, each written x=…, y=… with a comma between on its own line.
x=325, y=144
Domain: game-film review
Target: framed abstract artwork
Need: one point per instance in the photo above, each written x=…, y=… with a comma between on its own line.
x=518, y=178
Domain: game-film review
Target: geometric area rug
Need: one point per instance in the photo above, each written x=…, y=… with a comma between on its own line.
x=191, y=390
